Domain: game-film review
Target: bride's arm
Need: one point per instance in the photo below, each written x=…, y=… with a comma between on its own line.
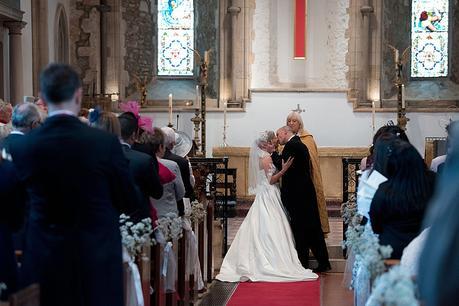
x=274, y=178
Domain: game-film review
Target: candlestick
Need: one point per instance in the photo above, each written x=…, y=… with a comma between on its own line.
x=170, y=108
x=197, y=101
x=206, y=57
x=225, y=104
x=403, y=97
x=373, y=112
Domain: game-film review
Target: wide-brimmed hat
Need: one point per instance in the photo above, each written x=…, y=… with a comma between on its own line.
x=183, y=144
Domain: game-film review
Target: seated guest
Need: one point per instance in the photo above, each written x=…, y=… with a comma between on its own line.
x=398, y=206
x=173, y=191
x=438, y=272
x=141, y=165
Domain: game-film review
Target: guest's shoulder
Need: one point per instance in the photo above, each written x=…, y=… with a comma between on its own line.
x=172, y=165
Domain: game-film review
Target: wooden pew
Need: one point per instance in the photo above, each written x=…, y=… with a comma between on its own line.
x=159, y=296
x=183, y=278
x=144, y=264
x=29, y=296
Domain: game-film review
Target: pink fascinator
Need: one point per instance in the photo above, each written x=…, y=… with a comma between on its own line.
x=145, y=123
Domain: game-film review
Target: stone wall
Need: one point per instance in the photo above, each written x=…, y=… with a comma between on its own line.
x=139, y=41
x=397, y=32
x=85, y=42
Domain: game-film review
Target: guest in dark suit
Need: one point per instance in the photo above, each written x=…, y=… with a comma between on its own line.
x=142, y=166
x=11, y=204
x=25, y=118
x=398, y=206
x=298, y=196
x=77, y=181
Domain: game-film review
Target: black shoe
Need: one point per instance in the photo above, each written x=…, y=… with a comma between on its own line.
x=322, y=269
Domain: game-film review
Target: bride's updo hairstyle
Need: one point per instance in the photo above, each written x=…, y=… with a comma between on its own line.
x=265, y=138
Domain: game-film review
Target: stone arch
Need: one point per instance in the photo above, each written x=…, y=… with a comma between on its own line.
x=61, y=34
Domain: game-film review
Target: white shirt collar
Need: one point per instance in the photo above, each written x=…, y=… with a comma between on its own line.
x=17, y=133
x=61, y=112
x=291, y=137
x=125, y=143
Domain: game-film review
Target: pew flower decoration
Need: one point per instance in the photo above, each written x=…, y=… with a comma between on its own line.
x=394, y=288
x=198, y=212
x=171, y=226
x=348, y=211
x=135, y=235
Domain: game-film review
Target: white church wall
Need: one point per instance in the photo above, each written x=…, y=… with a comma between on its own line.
x=329, y=117
x=273, y=63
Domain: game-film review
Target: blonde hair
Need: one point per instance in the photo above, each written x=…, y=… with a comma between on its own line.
x=297, y=117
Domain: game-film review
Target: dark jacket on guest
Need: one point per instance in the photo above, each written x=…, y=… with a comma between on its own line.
x=77, y=181
x=396, y=227
x=8, y=140
x=145, y=173
x=11, y=208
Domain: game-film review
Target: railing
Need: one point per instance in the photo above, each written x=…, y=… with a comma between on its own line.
x=350, y=185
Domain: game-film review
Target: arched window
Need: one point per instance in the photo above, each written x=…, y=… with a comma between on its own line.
x=429, y=38
x=62, y=40
x=175, y=37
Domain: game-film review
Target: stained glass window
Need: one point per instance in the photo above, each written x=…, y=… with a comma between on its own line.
x=175, y=37
x=429, y=38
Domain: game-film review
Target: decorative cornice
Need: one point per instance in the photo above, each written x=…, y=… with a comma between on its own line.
x=351, y=152
x=10, y=13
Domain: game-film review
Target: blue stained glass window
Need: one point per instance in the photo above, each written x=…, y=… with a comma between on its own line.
x=175, y=37
x=429, y=38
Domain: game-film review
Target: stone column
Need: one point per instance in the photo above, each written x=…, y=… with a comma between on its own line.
x=16, y=80
x=366, y=10
x=235, y=55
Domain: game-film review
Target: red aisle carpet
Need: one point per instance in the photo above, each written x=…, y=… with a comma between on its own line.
x=278, y=294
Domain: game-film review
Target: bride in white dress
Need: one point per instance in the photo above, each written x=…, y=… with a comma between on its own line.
x=263, y=249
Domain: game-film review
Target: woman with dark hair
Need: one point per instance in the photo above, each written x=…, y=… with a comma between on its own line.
x=367, y=162
x=398, y=206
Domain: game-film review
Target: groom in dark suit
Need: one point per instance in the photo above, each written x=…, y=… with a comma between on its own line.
x=299, y=198
x=77, y=181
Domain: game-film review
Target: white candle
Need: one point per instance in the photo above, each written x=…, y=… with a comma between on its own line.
x=403, y=97
x=170, y=108
x=373, y=113
x=206, y=57
x=224, y=114
x=396, y=59
x=198, y=98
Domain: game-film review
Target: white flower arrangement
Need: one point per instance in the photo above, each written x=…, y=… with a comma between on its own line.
x=348, y=211
x=135, y=235
x=198, y=211
x=394, y=288
x=171, y=226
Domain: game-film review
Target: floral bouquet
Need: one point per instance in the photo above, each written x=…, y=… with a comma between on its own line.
x=171, y=226
x=394, y=288
x=198, y=211
x=135, y=235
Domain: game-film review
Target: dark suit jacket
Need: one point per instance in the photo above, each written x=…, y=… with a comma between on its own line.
x=8, y=140
x=10, y=200
x=184, y=172
x=297, y=191
x=77, y=180
x=145, y=174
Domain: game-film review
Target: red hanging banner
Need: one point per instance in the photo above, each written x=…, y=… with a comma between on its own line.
x=299, y=38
